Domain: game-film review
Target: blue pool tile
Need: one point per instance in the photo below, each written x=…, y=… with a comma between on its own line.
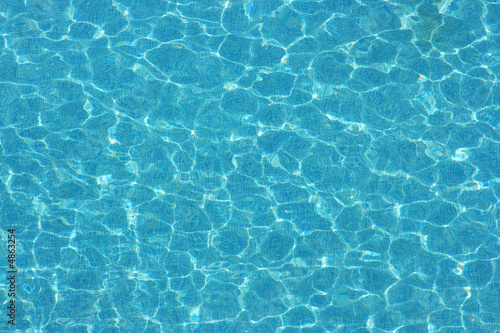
x=256, y=166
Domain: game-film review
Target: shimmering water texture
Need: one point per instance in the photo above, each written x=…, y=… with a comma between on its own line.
x=252, y=166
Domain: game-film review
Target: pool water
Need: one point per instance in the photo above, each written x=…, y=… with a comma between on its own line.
x=251, y=166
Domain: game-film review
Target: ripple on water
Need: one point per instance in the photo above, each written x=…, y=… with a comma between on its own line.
x=256, y=166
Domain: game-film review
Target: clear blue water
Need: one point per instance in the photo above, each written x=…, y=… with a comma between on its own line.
x=252, y=166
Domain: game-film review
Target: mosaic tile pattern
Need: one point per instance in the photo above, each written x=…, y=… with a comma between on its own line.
x=252, y=166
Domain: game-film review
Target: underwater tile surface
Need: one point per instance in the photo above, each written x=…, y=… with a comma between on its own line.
x=251, y=166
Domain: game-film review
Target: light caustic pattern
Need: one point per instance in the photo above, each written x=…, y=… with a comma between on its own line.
x=252, y=166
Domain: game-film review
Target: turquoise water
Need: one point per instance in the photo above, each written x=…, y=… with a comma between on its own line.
x=252, y=166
